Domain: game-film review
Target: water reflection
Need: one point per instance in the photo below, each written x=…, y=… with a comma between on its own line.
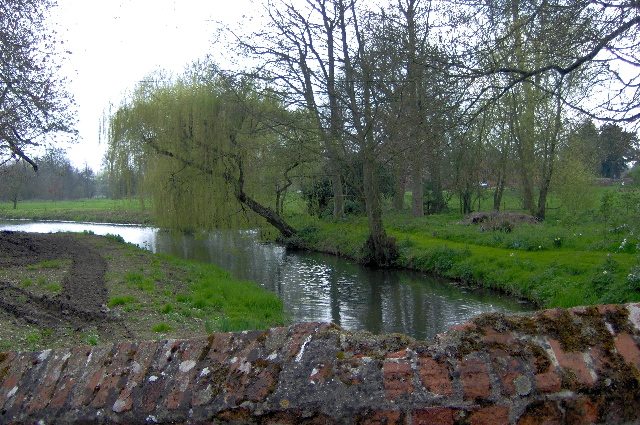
x=313, y=286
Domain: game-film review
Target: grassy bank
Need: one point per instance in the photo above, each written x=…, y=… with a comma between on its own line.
x=569, y=260
x=156, y=296
x=128, y=211
x=552, y=264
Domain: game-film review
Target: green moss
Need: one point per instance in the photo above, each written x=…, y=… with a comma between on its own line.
x=561, y=327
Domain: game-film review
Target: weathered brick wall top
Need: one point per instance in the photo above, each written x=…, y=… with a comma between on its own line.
x=578, y=366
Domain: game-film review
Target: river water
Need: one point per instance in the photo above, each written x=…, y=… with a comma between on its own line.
x=315, y=287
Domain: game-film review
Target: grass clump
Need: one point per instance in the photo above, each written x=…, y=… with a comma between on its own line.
x=161, y=327
x=121, y=300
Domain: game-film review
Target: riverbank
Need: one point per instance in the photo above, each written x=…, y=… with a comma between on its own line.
x=134, y=295
x=126, y=211
x=552, y=264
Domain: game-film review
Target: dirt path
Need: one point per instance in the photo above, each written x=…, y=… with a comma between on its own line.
x=81, y=301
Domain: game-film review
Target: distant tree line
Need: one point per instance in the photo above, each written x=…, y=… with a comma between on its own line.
x=55, y=180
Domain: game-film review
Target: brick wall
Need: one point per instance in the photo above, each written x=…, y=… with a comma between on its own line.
x=578, y=366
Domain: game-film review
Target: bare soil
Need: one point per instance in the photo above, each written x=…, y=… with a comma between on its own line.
x=65, y=289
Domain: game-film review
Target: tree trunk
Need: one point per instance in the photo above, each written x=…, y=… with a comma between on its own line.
x=542, y=200
x=417, y=190
x=237, y=182
x=497, y=194
x=267, y=213
x=338, y=194
x=401, y=188
x=382, y=250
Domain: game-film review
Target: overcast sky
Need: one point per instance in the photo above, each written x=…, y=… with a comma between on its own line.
x=116, y=43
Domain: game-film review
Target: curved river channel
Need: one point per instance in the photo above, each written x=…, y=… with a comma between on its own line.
x=316, y=287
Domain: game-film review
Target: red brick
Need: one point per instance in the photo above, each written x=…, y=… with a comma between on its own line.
x=475, y=379
x=433, y=416
x=136, y=370
x=628, y=348
x=156, y=379
x=542, y=413
x=251, y=381
x=397, y=378
x=209, y=383
x=302, y=335
x=5, y=361
x=508, y=370
x=89, y=376
x=115, y=367
x=490, y=415
x=12, y=373
x=380, y=417
x=262, y=382
x=581, y=411
x=187, y=372
x=398, y=355
x=75, y=367
x=321, y=374
x=573, y=361
x=463, y=327
x=491, y=335
x=435, y=376
x=548, y=382
x=50, y=376
x=634, y=315
x=220, y=347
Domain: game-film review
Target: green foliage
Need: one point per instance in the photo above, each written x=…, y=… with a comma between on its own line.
x=226, y=304
x=92, y=339
x=91, y=210
x=121, y=300
x=198, y=145
x=161, y=327
x=116, y=238
x=560, y=262
x=573, y=185
x=49, y=264
x=167, y=308
x=140, y=281
x=53, y=287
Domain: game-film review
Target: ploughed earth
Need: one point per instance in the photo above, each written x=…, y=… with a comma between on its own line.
x=63, y=289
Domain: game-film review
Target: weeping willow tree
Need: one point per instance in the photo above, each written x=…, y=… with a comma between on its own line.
x=207, y=145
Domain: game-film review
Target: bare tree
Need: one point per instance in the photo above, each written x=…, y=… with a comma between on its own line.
x=597, y=39
x=33, y=102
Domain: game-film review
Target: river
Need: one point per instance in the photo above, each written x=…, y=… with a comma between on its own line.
x=315, y=287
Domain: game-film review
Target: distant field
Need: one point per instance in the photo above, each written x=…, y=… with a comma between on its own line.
x=92, y=210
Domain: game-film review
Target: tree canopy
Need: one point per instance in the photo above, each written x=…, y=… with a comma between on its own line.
x=33, y=100
x=206, y=146
x=348, y=99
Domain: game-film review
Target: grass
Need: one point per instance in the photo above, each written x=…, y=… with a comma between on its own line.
x=226, y=307
x=87, y=210
x=121, y=300
x=573, y=258
x=154, y=295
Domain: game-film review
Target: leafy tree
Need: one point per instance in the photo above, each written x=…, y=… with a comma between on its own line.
x=14, y=177
x=322, y=58
x=33, y=101
x=205, y=144
x=617, y=148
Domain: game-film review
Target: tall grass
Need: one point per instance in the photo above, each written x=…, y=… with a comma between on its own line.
x=227, y=304
x=573, y=258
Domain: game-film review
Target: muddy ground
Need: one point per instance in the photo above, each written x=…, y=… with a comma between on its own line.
x=55, y=290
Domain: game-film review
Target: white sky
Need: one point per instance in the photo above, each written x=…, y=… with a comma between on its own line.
x=116, y=43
